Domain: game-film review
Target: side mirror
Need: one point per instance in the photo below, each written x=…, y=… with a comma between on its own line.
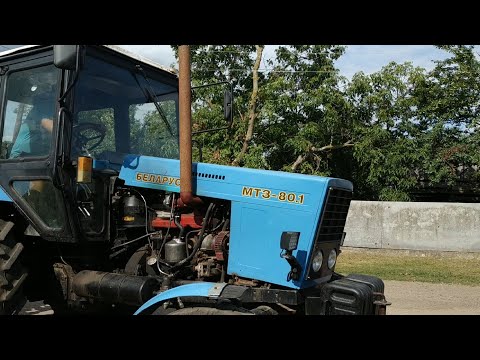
x=227, y=105
x=66, y=56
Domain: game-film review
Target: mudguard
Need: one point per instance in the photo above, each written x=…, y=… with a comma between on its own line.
x=204, y=289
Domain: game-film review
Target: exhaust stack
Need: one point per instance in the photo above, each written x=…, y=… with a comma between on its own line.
x=185, y=127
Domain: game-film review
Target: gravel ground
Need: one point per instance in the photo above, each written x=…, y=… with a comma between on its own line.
x=417, y=298
x=407, y=298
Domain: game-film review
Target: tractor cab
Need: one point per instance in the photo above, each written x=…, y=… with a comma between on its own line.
x=98, y=102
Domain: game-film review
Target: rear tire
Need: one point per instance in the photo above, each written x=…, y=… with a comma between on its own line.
x=12, y=273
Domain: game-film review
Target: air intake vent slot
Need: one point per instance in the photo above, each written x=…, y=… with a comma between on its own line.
x=208, y=176
x=334, y=215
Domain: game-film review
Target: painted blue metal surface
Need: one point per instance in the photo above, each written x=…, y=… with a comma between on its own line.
x=198, y=289
x=4, y=196
x=105, y=164
x=257, y=217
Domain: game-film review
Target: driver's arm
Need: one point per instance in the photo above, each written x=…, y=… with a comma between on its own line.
x=47, y=124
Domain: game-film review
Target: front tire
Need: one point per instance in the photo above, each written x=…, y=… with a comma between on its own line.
x=12, y=273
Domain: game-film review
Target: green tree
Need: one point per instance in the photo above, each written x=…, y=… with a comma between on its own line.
x=306, y=125
x=386, y=132
x=391, y=133
x=148, y=132
x=238, y=64
x=448, y=105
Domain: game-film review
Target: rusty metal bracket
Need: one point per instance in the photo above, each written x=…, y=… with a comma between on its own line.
x=380, y=303
x=216, y=290
x=64, y=274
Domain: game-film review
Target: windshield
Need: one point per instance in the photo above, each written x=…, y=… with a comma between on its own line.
x=115, y=112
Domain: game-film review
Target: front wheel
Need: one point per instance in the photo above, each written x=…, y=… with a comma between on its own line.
x=12, y=273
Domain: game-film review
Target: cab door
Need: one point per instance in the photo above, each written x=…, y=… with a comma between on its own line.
x=29, y=89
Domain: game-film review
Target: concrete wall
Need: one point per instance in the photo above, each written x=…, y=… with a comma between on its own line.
x=413, y=226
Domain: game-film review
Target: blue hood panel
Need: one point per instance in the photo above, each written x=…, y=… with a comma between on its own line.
x=264, y=204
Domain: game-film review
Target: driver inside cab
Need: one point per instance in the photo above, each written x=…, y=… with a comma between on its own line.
x=35, y=132
x=34, y=135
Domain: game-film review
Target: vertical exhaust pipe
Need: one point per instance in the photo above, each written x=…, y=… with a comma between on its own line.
x=185, y=128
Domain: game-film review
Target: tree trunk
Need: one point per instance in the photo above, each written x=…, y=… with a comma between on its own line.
x=251, y=108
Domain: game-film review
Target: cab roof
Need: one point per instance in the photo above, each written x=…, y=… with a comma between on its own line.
x=114, y=48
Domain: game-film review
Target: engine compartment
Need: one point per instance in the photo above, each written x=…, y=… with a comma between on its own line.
x=176, y=242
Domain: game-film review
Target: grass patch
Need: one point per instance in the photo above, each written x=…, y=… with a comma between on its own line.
x=401, y=265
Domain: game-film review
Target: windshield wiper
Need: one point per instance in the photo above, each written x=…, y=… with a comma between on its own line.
x=150, y=96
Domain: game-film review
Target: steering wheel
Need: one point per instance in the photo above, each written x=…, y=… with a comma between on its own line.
x=85, y=133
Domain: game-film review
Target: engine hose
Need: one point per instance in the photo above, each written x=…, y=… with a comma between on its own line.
x=177, y=222
x=225, y=225
x=200, y=238
x=186, y=239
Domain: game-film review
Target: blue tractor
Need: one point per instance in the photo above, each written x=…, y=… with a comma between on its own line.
x=103, y=210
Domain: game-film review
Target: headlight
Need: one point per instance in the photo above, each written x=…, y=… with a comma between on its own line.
x=332, y=259
x=317, y=261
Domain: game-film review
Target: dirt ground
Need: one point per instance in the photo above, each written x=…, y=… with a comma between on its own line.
x=417, y=298
x=407, y=298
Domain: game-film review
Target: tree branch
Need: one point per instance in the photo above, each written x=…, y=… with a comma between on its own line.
x=242, y=118
x=210, y=103
x=251, y=107
x=332, y=147
x=298, y=162
x=302, y=158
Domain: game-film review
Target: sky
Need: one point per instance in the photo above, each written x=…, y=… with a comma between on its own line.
x=366, y=58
